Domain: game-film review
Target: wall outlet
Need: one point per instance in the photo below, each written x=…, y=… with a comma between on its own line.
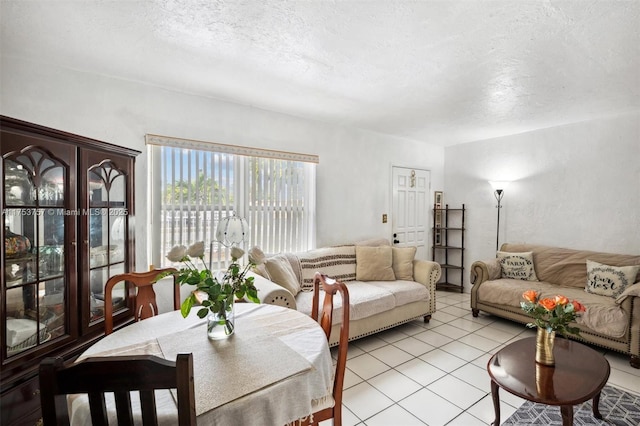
x=384, y=218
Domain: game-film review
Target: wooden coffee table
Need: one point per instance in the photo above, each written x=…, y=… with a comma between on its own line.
x=580, y=374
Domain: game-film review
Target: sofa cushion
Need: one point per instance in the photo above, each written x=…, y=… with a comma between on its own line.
x=365, y=300
x=337, y=262
x=403, y=291
x=403, y=262
x=607, y=280
x=374, y=263
x=281, y=273
x=602, y=314
x=517, y=265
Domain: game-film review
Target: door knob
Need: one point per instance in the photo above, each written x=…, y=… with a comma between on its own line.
x=396, y=241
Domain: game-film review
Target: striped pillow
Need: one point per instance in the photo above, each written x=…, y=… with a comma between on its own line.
x=337, y=262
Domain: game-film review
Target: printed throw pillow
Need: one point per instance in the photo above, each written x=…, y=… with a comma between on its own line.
x=281, y=273
x=374, y=263
x=403, y=262
x=517, y=265
x=607, y=280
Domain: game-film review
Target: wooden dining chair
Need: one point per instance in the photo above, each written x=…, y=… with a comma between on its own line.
x=120, y=375
x=325, y=318
x=146, y=305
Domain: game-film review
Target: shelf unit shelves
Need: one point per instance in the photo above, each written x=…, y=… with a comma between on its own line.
x=448, y=246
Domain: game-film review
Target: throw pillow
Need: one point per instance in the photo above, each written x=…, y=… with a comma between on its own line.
x=374, y=263
x=517, y=265
x=281, y=273
x=261, y=270
x=607, y=280
x=338, y=263
x=403, y=262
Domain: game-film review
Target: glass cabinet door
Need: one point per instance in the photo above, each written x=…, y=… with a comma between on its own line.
x=108, y=227
x=35, y=188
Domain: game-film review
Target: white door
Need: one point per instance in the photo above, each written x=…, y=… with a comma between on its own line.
x=410, y=215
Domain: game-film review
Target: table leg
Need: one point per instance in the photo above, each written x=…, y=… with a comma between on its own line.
x=596, y=407
x=567, y=415
x=496, y=403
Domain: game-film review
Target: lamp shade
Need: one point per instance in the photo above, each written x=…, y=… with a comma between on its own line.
x=499, y=185
x=232, y=230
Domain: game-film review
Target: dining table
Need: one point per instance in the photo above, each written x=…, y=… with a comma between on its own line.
x=275, y=369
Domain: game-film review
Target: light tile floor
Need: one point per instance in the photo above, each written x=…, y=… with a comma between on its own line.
x=435, y=374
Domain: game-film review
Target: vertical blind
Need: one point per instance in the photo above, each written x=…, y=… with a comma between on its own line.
x=195, y=184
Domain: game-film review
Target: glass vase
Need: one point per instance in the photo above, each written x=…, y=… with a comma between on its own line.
x=544, y=347
x=221, y=324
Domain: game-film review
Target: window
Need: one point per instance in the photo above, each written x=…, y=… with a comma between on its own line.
x=195, y=184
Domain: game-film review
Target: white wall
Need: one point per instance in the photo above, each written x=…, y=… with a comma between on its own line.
x=353, y=177
x=574, y=186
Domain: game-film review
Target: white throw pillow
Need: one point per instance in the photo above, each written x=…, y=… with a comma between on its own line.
x=403, y=262
x=374, y=263
x=281, y=273
x=607, y=280
x=517, y=265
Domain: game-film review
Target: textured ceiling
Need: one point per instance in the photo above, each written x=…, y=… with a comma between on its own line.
x=444, y=72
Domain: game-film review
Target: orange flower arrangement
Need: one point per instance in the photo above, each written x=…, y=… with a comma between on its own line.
x=552, y=314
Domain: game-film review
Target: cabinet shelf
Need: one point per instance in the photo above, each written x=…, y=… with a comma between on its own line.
x=448, y=246
x=104, y=204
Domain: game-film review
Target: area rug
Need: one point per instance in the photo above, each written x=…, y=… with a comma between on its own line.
x=617, y=407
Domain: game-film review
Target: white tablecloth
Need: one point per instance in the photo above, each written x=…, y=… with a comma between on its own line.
x=277, y=404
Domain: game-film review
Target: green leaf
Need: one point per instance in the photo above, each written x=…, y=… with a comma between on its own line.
x=185, y=308
x=252, y=294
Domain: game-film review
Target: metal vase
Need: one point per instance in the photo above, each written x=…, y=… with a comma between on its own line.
x=544, y=347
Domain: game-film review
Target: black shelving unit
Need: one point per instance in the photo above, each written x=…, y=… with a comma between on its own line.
x=448, y=246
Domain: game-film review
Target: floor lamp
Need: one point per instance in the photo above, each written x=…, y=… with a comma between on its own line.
x=498, y=191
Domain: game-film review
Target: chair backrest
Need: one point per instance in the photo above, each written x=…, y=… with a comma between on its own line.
x=325, y=318
x=120, y=375
x=146, y=306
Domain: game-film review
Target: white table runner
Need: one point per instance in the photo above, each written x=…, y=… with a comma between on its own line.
x=232, y=368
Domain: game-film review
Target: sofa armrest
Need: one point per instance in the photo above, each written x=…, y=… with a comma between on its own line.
x=485, y=270
x=271, y=293
x=426, y=272
x=633, y=290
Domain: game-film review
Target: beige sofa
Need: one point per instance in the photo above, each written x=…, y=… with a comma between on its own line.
x=387, y=286
x=612, y=318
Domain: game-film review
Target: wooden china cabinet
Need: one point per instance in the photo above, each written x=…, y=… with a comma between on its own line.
x=67, y=213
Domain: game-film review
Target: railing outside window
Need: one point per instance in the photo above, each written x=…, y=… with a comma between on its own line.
x=192, y=189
